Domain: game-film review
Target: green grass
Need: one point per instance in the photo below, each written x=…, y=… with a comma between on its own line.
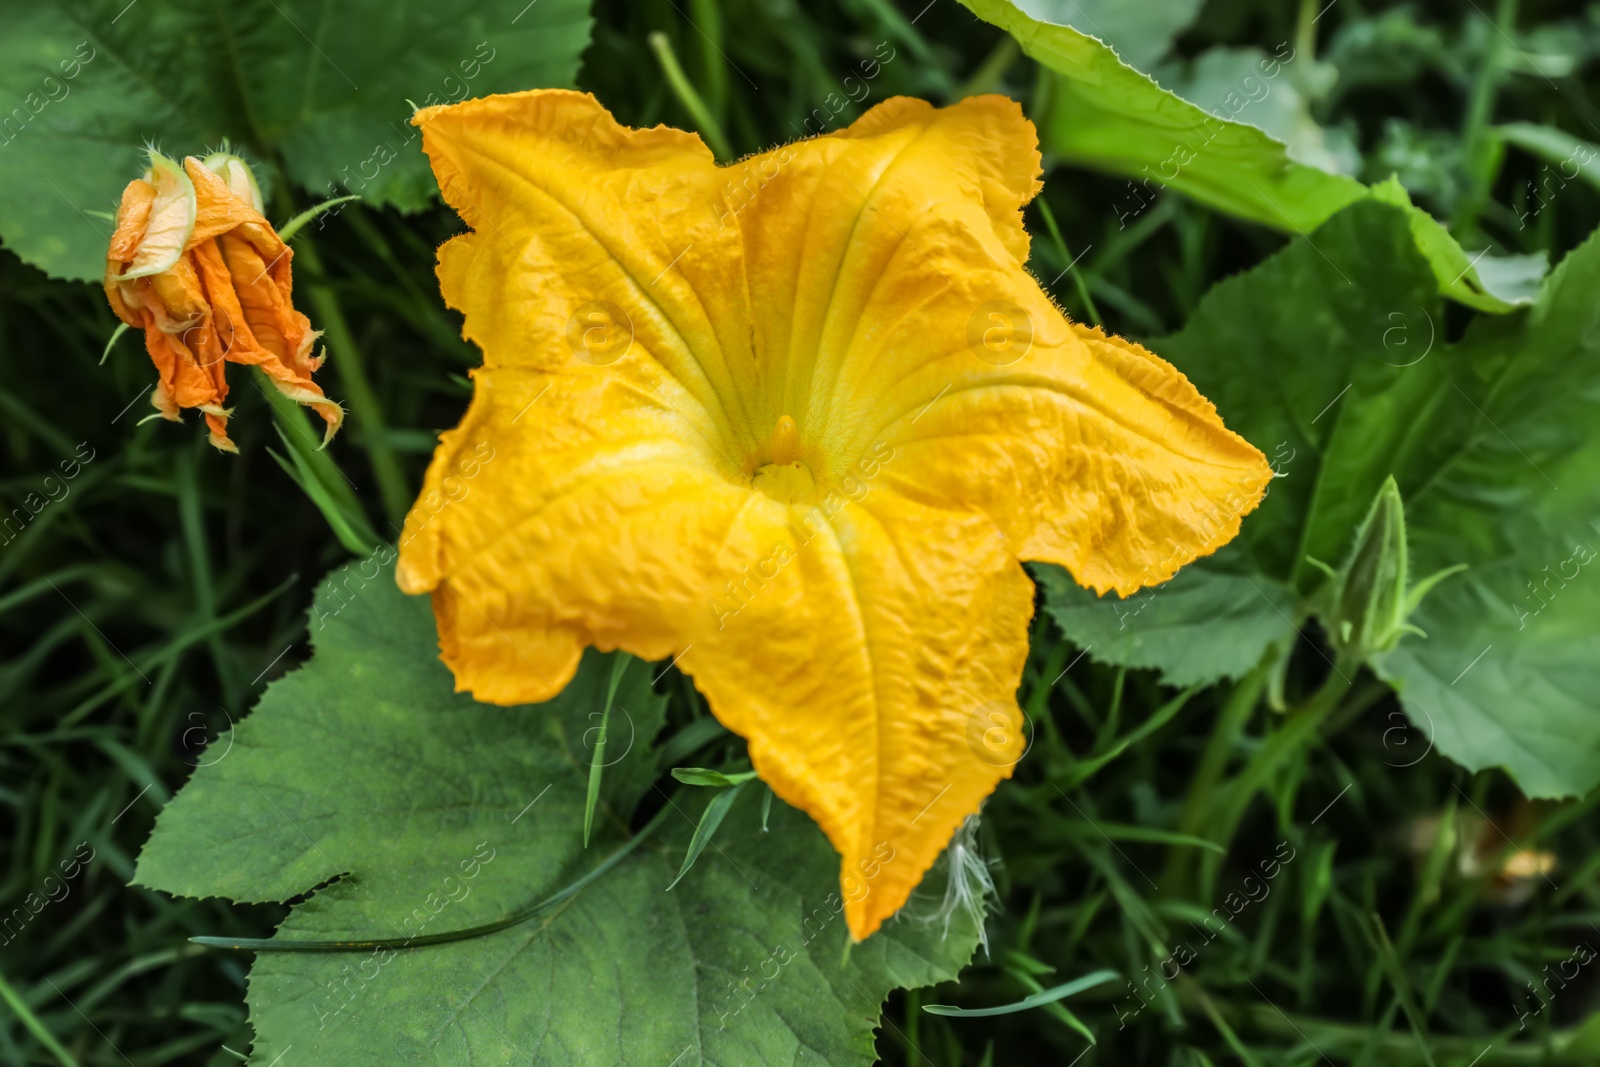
x=146, y=608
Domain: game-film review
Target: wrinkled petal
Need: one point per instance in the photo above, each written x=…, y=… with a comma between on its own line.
x=875, y=675
x=186, y=352
x=551, y=185
x=1089, y=452
x=504, y=532
x=793, y=423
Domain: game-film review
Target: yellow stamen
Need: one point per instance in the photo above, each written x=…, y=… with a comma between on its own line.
x=785, y=441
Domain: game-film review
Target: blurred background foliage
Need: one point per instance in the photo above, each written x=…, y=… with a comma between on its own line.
x=162, y=586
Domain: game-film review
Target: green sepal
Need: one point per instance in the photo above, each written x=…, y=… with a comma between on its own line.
x=238, y=176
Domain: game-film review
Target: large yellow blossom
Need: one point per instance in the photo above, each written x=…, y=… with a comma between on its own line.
x=793, y=422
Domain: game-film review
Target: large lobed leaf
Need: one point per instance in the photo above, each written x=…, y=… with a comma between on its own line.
x=1510, y=671
x=1108, y=115
x=279, y=77
x=418, y=811
x=1331, y=357
x=1209, y=622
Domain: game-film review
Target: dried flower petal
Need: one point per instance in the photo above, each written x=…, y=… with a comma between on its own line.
x=195, y=265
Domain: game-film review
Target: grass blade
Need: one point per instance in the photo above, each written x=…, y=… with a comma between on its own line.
x=709, y=821
x=35, y=1027
x=1086, y=769
x=341, y=524
x=689, y=740
x=687, y=95
x=1113, y=831
x=1049, y=996
x=1396, y=970
x=702, y=776
x=1227, y=1032
x=598, y=762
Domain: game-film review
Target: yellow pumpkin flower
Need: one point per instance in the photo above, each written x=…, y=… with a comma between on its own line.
x=195, y=265
x=792, y=423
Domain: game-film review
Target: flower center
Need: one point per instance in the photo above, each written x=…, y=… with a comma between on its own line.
x=784, y=477
x=785, y=445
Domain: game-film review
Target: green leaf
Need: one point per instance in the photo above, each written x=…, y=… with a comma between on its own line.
x=91, y=82
x=385, y=804
x=1278, y=107
x=1514, y=278
x=516, y=918
x=1106, y=114
x=1507, y=673
x=1203, y=625
x=1489, y=442
x=1140, y=31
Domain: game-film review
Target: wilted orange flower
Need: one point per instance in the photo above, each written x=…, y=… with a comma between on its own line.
x=793, y=423
x=195, y=265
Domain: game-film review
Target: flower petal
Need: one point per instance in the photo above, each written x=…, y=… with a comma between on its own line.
x=871, y=657
x=246, y=274
x=167, y=224
x=538, y=542
x=1089, y=451
x=598, y=243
